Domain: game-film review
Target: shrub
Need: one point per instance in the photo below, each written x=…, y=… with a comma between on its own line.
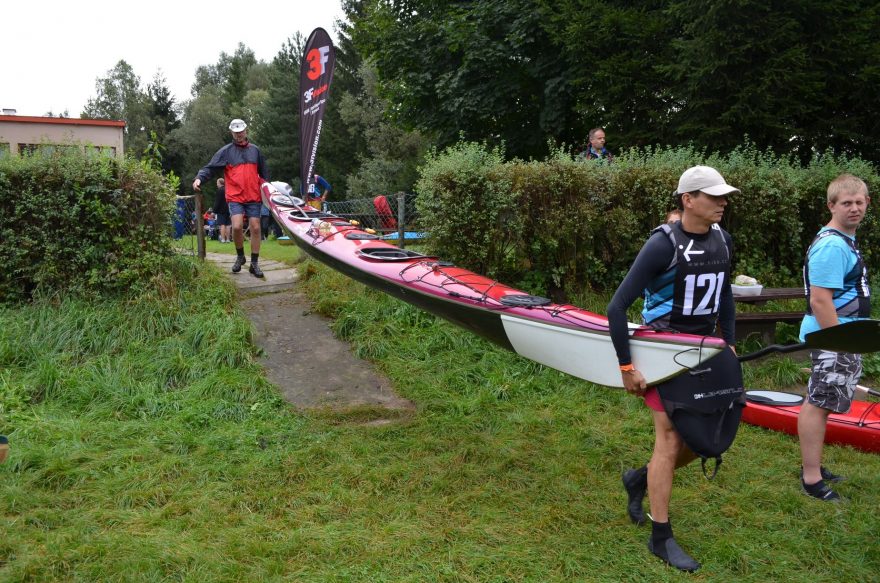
x=82, y=224
x=561, y=225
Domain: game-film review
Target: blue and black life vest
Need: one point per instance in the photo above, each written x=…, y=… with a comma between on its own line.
x=854, y=300
x=687, y=296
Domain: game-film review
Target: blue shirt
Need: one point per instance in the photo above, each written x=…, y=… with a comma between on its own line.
x=829, y=261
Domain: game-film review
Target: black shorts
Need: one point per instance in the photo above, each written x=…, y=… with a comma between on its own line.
x=223, y=220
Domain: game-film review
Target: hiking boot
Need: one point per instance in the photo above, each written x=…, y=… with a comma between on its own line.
x=636, y=483
x=669, y=551
x=239, y=261
x=255, y=270
x=821, y=490
x=827, y=475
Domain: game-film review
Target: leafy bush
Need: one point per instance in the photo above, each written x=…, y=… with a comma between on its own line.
x=561, y=225
x=80, y=223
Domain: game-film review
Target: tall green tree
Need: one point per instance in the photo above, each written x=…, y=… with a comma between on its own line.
x=119, y=95
x=203, y=131
x=797, y=76
x=485, y=70
x=276, y=123
x=746, y=67
x=613, y=54
x=163, y=106
x=389, y=159
x=165, y=119
x=235, y=86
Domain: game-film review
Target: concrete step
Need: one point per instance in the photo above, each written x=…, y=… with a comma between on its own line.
x=278, y=276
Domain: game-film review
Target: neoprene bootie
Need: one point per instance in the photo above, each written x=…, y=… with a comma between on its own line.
x=663, y=544
x=636, y=484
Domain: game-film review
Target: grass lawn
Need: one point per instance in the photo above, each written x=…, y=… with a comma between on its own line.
x=146, y=445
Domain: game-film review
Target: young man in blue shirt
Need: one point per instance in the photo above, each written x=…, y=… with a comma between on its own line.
x=836, y=281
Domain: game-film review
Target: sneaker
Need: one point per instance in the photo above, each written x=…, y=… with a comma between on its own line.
x=255, y=270
x=239, y=261
x=828, y=476
x=636, y=483
x=821, y=490
x=674, y=555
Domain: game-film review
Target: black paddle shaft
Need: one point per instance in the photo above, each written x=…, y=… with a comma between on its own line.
x=858, y=336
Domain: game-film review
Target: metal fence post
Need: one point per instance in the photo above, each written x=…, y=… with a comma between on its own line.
x=200, y=227
x=401, y=218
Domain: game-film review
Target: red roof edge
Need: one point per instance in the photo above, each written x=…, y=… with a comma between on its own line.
x=64, y=120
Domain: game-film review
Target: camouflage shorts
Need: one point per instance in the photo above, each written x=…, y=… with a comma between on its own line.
x=833, y=380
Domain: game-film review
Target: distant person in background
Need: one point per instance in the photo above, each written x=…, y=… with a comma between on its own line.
x=673, y=216
x=222, y=210
x=268, y=224
x=244, y=169
x=318, y=192
x=265, y=217
x=836, y=281
x=210, y=223
x=597, y=150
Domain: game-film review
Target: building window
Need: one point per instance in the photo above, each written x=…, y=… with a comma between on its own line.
x=4, y=149
x=106, y=151
x=44, y=149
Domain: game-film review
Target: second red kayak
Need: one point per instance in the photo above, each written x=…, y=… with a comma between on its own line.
x=859, y=428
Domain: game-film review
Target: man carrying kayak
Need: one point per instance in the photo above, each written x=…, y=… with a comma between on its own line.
x=684, y=272
x=836, y=282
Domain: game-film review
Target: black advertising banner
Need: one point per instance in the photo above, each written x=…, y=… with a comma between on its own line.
x=316, y=74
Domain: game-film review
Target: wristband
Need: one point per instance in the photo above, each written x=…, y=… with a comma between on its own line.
x=627, y=368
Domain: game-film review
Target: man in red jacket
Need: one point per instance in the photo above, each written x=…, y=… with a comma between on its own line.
x=244, y=169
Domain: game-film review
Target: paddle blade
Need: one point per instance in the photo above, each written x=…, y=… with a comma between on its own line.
x=859, y=337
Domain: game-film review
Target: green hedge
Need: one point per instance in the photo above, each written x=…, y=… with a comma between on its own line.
x=560, y=225
x=81, y=224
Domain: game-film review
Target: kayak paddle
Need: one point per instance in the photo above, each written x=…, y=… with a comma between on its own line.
x=858, y=336
x=871, y=392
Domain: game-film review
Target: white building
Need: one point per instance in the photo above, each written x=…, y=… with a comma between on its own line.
x=22, y=133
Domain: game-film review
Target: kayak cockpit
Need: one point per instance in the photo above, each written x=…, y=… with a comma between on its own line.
x=524, y=301
x=386, y=253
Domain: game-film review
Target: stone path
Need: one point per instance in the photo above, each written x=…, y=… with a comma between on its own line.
x=310, y=366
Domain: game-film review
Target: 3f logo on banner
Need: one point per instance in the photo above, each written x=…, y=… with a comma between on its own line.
x=317, y=59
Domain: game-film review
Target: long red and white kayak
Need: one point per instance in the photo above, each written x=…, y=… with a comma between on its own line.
x=860, y=427
x=564, y=337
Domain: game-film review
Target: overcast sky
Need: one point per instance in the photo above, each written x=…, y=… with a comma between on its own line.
x=53, y=51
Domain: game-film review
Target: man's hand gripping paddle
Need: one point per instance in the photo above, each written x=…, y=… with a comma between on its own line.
x=859, y=337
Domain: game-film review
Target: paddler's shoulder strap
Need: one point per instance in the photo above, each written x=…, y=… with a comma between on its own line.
x=670, y=233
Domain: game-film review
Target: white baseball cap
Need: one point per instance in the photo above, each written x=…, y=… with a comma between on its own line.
x=237, y=125
x=704, y=179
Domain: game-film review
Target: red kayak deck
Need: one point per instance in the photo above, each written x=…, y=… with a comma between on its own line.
x=859, y=428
